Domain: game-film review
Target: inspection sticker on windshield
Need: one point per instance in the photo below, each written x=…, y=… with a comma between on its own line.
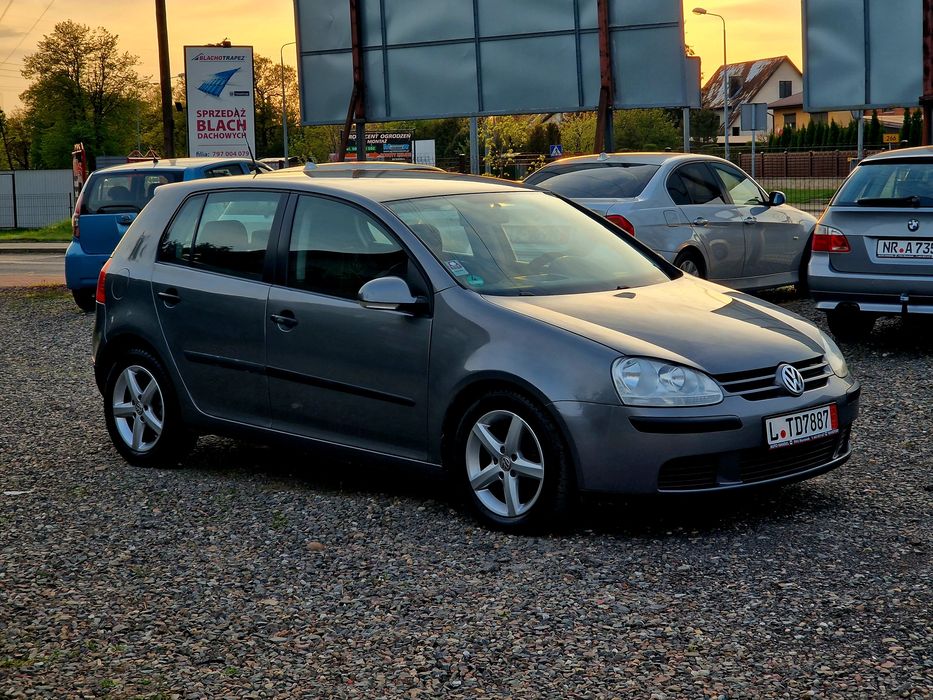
x=905, y=249
x=796, y=428
x=457, y=268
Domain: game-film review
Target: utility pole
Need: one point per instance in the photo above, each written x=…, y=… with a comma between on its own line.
x=165, y=79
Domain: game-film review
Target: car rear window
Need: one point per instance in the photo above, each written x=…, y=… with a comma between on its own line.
x=896, y=184
x=110, y=193
x=597, y=180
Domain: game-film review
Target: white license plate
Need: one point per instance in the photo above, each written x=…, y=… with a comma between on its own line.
x=795, y=428
x=905, y=249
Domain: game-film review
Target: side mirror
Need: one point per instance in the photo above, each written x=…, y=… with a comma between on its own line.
x=390, y=294
x=776, y=199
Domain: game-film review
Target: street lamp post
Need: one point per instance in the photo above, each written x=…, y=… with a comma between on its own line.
x=725, y=77
x=284, y=113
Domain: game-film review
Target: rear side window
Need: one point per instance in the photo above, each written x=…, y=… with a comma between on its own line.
x=112, y=193
x=233, y=232
x=176, y=245
x=335, y=249
x=599, y=181
x=694, y=184
x=224, y=171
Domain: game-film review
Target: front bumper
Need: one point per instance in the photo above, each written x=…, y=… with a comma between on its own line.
x=872, y=293
x=624, y=450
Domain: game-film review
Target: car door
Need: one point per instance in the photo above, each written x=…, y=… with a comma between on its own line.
x=339, y=372
x=210, y=286
x=698, y=193
x=772, y=237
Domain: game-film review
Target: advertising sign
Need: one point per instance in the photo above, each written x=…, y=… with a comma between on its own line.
x=383, y=145
x=755, y=116
x=221, y=110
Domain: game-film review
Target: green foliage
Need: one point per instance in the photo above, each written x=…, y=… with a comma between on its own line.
x=55, y=233
x=874, y=134
x=915, y=136
x=644, y=130
x=578, y=132
x=904, y=134
x=704, y=124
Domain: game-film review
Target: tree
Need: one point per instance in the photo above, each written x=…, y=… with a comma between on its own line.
x=916, y=128
x=875, y=134
x=904, y=133
x=83, y=89
x=704, y=124
x=644, y=130
x=578, y=132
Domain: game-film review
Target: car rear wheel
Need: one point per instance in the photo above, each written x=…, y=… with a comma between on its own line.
x=690, y=263
x=84, y=298
x=850, y=326
x=513, y=465
x=142, y=414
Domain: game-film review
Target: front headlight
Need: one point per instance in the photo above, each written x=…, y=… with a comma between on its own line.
x=644, y=382
x=834, y=356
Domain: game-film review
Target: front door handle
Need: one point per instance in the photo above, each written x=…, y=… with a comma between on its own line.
x=751, y=220
x=285, y=320
x=700, y=221
x=169, y=296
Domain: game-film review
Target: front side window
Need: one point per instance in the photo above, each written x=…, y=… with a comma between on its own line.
x=176, y=244
x=524, y=243
x=336, y=248
x=233, y=232
x=741, y=188
x=112, y=193
x=694, y=184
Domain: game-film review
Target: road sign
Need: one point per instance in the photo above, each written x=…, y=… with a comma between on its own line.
x=557, y=150
x=892, y=138
x=755, y=116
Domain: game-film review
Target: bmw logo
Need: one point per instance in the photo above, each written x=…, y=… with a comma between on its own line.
x=791, y=379
x=913, y=224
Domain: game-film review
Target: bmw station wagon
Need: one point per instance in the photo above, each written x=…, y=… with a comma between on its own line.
x=110, y=200
x=873, y=246
x=498, y=332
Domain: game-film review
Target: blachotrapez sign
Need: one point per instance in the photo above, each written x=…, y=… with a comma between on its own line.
x=862, y=54
x=425, y=59
x=221, y=107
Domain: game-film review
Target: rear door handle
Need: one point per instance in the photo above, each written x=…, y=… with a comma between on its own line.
x=700, y=221
x=169, y=296
x=285, y=320
x=751, y=220
x=125, y=220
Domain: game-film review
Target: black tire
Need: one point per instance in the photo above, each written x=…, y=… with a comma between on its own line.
x=539, y=443
x=850, y=326
x=691, y=260
x=85, y=299
x=164, y=448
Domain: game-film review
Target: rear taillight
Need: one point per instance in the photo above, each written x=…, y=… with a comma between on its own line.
x=827, y=239
x=76, y=217
x=622, y=223
x=101, y=295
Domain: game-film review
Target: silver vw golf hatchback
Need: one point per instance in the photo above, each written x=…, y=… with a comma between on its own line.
x=873, y=247
x=499, y=332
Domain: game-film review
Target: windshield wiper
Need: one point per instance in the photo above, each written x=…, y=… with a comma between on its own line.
x=911, y=201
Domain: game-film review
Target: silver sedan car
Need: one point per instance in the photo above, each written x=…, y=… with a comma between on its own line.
x=873, y=247
x=495, y=331
x=702, y=213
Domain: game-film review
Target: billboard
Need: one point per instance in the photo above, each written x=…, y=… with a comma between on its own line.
x=383, y=145
x=862, y=54
x=219, y=93
x=426, y=59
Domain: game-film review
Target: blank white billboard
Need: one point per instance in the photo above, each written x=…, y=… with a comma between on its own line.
x=862, y=54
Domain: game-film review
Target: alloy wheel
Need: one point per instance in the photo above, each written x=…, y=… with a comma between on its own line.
x=138, y=408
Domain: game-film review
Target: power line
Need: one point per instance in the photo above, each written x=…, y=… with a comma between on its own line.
x=3, y=14
x=34, y=25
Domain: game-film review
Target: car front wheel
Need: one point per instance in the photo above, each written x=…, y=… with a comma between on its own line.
x=513, y=465
x=141, y=412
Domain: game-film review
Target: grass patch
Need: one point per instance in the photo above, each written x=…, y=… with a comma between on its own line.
x=56, y=233
x=805, y=196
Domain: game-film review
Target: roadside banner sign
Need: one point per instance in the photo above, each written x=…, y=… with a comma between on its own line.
x=384, y=145
x=557, y=150
x=221, y=102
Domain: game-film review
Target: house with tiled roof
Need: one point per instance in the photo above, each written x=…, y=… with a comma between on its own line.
x=765, y=80
x=788, y=112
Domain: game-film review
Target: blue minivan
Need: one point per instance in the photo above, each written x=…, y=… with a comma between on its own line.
x=110, y=200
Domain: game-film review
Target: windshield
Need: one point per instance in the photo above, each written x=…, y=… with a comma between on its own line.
x=596, y=180
x=892, y=184
x=110, y=193
x=525, y=243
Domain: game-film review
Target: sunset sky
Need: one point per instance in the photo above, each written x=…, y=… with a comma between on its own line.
x=756, y=29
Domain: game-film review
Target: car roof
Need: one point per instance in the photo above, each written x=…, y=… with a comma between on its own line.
x=647, y=158
x=379, y=189
x=365, y=165
x=901, y=154
x=171, y=164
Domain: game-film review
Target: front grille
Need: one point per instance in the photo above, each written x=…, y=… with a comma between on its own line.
x=750, y=466
x=760, y=384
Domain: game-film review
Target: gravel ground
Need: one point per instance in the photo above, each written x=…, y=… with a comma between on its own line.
x=254, y=572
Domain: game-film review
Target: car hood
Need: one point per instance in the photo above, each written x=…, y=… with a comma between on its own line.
x=688, y=321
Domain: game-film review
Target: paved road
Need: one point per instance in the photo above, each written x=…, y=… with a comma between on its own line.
x=30, y=270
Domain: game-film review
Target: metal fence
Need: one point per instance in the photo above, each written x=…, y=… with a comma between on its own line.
x=35, y=198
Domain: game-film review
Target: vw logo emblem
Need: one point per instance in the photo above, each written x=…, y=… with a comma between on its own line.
x=913, y=224
x=791, y=379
